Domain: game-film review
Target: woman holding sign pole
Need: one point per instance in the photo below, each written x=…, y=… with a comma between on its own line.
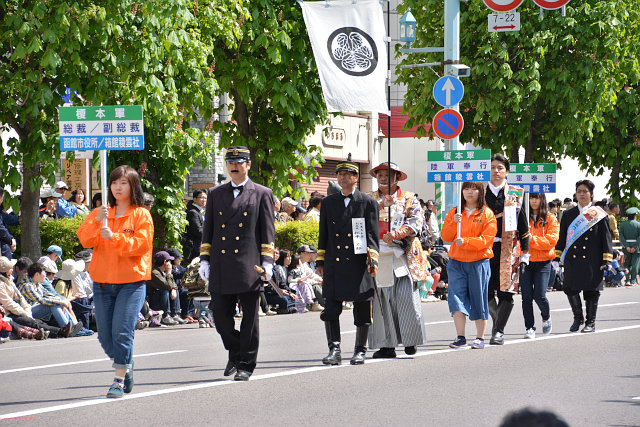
x=121, y=235
x=585, y=249
x=468, y=267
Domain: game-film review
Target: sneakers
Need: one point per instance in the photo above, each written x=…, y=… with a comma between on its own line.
x=261, y=313
x=459, y=342
x=546, y=327
x=530, y=333
x=75, y=330
x=209, y=321
x=497, y=338
x=271, y=313
x=168, y=320
x=316, y=307
x=115, y=391
x=202, y=324
x=128, y=380
x=179, y=320
x=478, y=344
x=155, y=323
x=430, y=298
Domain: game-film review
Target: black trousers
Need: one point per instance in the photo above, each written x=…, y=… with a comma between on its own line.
x=361, y=311
x=242, y=345
x=588, y=295
x=36, y=323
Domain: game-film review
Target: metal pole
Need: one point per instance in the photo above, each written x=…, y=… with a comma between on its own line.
x=103, y=181
x=451, y=53
x=459, y=187
x=389, y=105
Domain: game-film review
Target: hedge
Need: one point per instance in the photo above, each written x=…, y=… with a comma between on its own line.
x=295, y=233
x=61, y=232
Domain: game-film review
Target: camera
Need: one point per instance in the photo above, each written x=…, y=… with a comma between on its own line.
x=460, y=70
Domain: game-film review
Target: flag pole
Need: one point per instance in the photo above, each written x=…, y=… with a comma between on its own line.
x=389, y=104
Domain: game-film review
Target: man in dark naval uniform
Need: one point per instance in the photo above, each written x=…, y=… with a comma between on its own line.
x=497, y=195
x=238, y=234
x=347, y=260
x=588, y=254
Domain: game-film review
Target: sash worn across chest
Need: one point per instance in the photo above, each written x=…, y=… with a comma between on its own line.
x=581, y=224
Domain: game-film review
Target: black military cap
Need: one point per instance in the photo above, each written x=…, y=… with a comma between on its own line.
x=237, y=153
x=348, y=166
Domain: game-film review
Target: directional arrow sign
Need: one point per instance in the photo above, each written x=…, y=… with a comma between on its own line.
x=503, y=5
x=551, y=4
x=447, y=123
x=448, y=91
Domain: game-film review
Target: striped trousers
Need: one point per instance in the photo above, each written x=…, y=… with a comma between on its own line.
x=402, y=321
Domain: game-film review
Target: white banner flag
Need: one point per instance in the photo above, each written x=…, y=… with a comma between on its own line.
x=350, y=52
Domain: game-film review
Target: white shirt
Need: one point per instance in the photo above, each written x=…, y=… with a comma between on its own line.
x=495, y=190
x=82, y=283
x=347, y=200
x=236, y=192
x=582, y=209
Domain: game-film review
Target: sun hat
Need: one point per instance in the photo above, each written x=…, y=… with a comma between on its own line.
x=61, y=184
x=6, y=264
x=288, y=201
x=70, y=268
x=49, y=266
x=385, y=166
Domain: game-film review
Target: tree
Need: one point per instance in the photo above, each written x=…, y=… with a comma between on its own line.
x=157, y=54
x=275, y=93
x=546, y=88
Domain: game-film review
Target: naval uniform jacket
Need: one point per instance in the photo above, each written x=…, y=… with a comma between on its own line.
x=585, y=256
x=237, y=235
x=345, y=274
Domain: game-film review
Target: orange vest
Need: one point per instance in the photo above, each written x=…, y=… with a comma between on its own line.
x=126, y=258
x=543, y=239
x=477, y=231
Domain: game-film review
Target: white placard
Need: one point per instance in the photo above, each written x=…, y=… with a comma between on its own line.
x=359, y=236
x=501, y=22
x=396, y=222
x=510, y=218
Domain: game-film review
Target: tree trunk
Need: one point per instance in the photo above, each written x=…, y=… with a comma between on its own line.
x=31, y=245
x=614, y=185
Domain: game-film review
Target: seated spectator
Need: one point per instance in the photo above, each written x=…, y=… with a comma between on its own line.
x=199, y=293
x=43, y=303
x=314, y=210
x=307, y=254
x=161, y=289
x=7, y=242
x=182, y=307
x=82, y=286
x=616, y=274
x=300, y=279
x=16, y=306
x=77, y=200
x=299, y=214
x=276, y=210
x=65, y=210
x=286, y=303
x=54, y=253
x=50, y=209
x=20, y=268
x=96, y=201
x=50, y=270
x=18, y=331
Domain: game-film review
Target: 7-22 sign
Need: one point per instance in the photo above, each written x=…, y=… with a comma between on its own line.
x=501, y=22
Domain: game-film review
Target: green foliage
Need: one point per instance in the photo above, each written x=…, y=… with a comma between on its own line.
x=61, y=232
x=549, y=87
x=295, y=233
x=275, y=94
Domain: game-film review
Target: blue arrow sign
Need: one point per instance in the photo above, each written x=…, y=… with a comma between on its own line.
x=448, y=91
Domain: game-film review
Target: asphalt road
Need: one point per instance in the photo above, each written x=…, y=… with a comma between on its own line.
x=587, y=379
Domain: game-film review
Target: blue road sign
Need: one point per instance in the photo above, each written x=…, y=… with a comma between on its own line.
x=448, y=91
x=447, y=123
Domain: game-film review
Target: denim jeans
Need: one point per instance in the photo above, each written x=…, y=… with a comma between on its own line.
x=533, y=286
x=44, y=312
x=117, y=307
x=161, y=300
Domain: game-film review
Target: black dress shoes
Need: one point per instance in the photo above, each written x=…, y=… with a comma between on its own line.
x=410, y=350
x=230, y=369
x=242, y=375
x=385, y=353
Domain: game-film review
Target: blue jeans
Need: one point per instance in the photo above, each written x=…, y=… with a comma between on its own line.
x=161, y=300
x=44, y=312
x=469, y=288
x=117, y=307
x=533, y=286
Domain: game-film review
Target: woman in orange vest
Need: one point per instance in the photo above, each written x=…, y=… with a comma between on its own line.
x=468, y=268
x=121, y=264
x=545, y=231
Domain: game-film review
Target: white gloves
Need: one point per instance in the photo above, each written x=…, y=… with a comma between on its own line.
x=204, y=270
x=524, y=259
x=268, y=269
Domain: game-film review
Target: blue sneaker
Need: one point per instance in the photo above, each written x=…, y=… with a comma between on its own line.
x=459, y=342
x=547, y=326
x=115, y=391
x=128, y=380
x=478, y=344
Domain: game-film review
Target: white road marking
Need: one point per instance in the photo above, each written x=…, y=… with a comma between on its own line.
x=80, y=362
x=211, y=384
x=601, y=305
x=635, y=398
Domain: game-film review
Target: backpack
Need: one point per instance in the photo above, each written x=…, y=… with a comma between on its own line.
x=191, y=280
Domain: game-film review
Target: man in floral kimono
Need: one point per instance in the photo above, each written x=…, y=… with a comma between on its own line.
x=397, y=312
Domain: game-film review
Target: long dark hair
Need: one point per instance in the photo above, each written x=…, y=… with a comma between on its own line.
x=480, y=188
x=284, y=253
x=544, y=209
x=137, y=196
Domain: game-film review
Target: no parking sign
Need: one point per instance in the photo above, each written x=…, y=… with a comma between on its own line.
x=448, y=123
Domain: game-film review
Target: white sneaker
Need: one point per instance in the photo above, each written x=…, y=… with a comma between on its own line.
x=546, y=327
x=431, y=298
x=530, y=334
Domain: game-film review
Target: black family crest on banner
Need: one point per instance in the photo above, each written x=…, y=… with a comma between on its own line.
x=353, y=51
